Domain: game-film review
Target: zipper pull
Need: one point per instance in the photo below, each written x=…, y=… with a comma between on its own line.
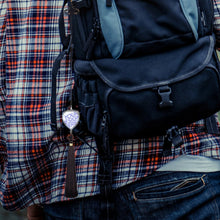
x=73, y=8
x=105, y=132
x=104, y=120
x=203, y=19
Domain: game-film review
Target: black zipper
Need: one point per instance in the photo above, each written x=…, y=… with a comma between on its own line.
x=94, y=33
x=92, y=39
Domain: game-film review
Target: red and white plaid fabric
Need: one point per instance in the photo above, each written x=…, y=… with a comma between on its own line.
x=34, y=166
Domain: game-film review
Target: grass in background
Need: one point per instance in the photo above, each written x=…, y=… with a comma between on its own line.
x=16, y=215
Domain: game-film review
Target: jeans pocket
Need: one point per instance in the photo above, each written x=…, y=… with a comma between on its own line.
x=173, y=189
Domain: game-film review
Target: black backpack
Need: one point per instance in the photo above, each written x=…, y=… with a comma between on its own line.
x=142, y=68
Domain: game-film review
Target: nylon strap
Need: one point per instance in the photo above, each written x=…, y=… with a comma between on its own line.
x=64, y=39
x=55, y=69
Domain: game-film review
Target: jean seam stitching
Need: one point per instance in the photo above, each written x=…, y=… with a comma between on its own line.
x=168, y=197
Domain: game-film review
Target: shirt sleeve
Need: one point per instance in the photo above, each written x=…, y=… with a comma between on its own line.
x=217, y=22
x=3, y=152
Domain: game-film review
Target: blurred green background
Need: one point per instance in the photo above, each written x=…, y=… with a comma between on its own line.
x=17, y=215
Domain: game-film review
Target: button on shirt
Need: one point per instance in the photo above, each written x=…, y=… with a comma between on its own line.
x=34, y=166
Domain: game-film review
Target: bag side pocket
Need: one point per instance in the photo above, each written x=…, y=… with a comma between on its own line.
x=88, y=102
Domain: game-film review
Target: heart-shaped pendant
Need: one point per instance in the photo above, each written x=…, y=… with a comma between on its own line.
x=71, y=118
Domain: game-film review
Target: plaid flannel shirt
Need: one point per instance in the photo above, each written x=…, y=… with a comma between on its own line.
x=34, y=167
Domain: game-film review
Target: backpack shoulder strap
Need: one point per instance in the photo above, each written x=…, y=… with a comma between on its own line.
x=67, y=44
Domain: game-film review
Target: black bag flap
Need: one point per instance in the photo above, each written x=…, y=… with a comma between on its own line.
x=133, y=74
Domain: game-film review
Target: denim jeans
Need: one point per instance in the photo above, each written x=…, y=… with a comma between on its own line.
x=164, y=195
